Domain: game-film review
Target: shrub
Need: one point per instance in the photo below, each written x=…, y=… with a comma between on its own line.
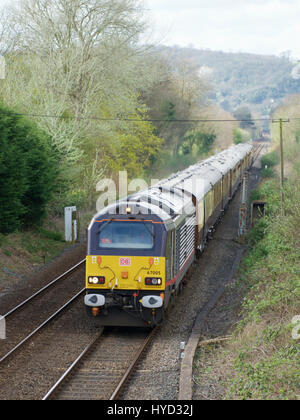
x=27, y=171
x=268, y=173
x=271, y=159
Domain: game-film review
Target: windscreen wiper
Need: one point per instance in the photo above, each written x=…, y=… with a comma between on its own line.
x=149, y=230
x=105, y=224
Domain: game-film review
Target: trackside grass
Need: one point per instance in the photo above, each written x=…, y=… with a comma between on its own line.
x=262, y=360
x=23, y=252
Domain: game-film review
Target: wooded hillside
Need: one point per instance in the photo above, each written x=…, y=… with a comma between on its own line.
x=240, y=78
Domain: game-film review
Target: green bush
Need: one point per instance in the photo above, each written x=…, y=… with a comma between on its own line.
x=268, y=173
x=271, y=159
x=78, y=198
x=28, y=171
x=258, y=232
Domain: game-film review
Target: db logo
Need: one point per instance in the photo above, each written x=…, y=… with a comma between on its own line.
x=296, y=329
x=125, y=262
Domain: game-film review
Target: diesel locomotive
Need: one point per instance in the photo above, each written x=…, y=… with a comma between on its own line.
x=140, y=248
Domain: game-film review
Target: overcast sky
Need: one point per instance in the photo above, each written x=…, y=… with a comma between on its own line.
x=255, y=26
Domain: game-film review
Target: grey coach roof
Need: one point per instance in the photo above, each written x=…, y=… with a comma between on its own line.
x=173, y=196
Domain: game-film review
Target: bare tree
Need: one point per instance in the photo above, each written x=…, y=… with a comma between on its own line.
x=8, y=37
x=79, y=58
x=79, y=40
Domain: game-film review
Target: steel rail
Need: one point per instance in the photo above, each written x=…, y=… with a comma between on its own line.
x=133, y=365
x=75, y=267
x=124, y=378
x=41, y=326
x=257, y=152
x=73, y=365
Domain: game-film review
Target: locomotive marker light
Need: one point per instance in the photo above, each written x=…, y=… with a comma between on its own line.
x=149, y=281
x=97, y=280
x=2, y=328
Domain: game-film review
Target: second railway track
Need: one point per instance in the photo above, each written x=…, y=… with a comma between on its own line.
x=29, y=316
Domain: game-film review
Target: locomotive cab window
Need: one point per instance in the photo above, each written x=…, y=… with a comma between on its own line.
x=127, y=235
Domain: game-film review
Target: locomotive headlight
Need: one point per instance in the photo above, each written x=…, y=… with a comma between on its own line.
x=149, y=281
x=96, y=280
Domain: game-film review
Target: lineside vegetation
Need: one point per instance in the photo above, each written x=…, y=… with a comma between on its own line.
x=28, y=169
x=266, y=357
x=262, y=359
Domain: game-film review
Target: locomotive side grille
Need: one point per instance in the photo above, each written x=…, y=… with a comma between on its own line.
x=186, y=241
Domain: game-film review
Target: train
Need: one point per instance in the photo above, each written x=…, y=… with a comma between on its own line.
x=140, y=248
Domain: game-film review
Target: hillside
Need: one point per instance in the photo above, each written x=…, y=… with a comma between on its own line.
x=243, y=79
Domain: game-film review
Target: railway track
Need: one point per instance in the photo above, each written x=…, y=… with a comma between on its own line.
x=103, y=369
x=29, y=317
x=39, y=292
x=258, y=151
x=40, y=327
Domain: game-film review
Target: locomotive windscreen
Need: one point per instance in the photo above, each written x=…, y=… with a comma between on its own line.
x=127, y=235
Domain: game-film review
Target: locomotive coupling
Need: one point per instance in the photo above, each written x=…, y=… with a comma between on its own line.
x=94, y=301
x=152, y=302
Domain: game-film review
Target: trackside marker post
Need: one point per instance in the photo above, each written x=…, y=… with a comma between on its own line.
x=2, y=328
x=70, y=224
x=182, y=348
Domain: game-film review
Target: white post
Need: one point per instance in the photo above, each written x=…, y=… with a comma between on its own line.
x=70, y=224
x=2, y=328
x=182, y=349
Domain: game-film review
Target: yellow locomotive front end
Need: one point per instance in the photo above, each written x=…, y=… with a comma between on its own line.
x=126, y=271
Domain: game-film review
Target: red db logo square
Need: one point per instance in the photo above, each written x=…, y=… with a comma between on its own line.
x=125, y=262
